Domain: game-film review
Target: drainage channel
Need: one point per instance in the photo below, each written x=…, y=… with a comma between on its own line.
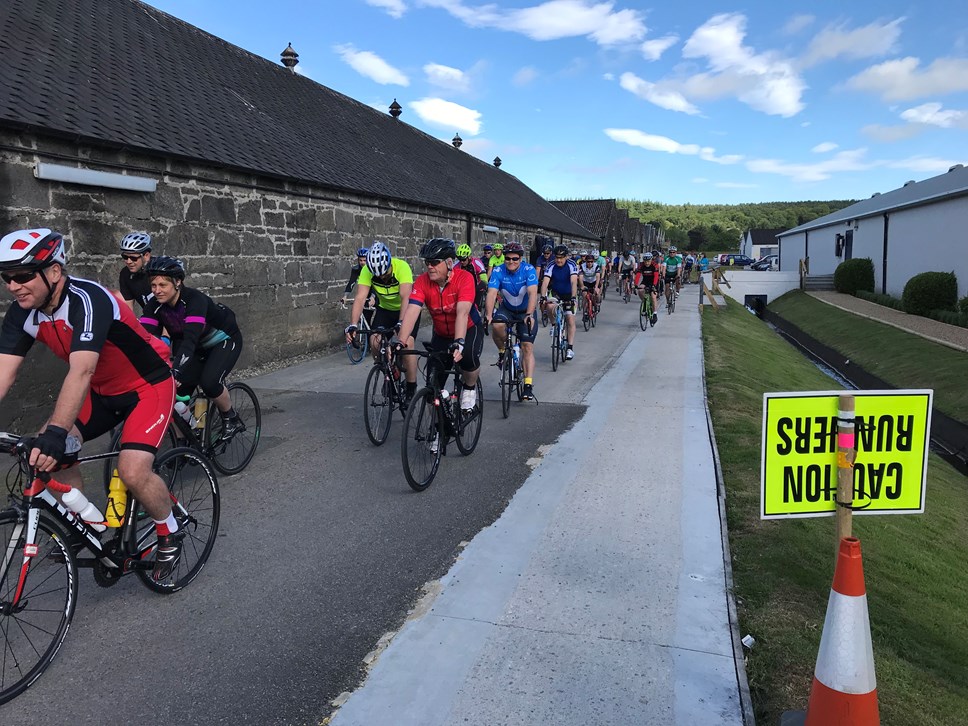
x=949, y=437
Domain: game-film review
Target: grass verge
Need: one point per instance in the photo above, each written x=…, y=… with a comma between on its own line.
x=902, y=359
x=914, y=564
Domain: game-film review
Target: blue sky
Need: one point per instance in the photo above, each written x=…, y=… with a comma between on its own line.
x=677, y=102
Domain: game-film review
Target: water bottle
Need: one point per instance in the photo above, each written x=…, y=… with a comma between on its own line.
x=79, y=504
x=185, y=412
x=517, y=353
x=201, y=409
x=117, y=501
x=444, y=394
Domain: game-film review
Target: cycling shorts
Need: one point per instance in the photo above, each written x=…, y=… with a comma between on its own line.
x=567, y=304
x=671, y=276
x=388, y=318
x=526, y=335
x=590, y=286
x=470, y=359
x=627, y=273
x=145, y=412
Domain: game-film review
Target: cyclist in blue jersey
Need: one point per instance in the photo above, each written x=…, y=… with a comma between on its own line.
x=561, y=279
x=517, y=283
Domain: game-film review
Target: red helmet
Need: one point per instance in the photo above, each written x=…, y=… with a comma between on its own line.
x=513, y=248
x=31, y=249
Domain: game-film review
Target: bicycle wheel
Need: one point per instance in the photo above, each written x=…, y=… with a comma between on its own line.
x=170, y=441
x=32, y=631
x=469, y=424
x=422, y=441
x=519, y=380
x=507, y=380
x=555, y=350
x=672, y=303
x=356, y=348
x=586, y=316
x=626, y=294
x=232, y=454
x=196, y=504
x=377, y=406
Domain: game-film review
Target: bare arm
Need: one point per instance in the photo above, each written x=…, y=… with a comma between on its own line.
x=488, y=304
x=75, y=388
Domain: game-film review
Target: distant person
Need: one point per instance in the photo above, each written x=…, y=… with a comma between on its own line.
x=133, y=282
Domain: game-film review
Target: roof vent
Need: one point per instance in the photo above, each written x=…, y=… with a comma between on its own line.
x=875, y=194
x=497, y=161
x=290, y=58
x=956, y=166
x=395, y=109
x=909, y=182
x=457, y=141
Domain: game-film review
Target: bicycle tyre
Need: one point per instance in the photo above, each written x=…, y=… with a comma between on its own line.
x=377, y=406
x=424, y=422
x=555, y=349
x=31, y=637
x=672, y=302
x=232, y=456
x=193, y=486
x=469, y=425
x=170, y=441
x=507, y=377
x=519, y=381
x=644, y=315
x=586, y=319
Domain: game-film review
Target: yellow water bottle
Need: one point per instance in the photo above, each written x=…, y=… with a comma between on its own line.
x=117, y=501
x=201, y=409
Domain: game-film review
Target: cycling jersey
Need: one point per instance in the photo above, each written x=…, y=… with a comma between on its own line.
x=354, y=276
x=494, y=261
x=626, y=264
x=135, y=286
x=387, y=292
x=588, y=271
x=672, y=263
x=543, y=262
x=513, y=286
x=560, y=278
x=442, y=302
x=90, y=318
x=194, y=321
x=647, y=275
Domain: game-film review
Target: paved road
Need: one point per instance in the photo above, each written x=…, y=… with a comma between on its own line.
x=322, y=550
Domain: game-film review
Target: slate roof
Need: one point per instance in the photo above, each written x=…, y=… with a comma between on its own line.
x=953, y=183
x=122, y=73
x=761, y=237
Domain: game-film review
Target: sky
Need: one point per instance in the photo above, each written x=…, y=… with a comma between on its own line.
x=676, y=102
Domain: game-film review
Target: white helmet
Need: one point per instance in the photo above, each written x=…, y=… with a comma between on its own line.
x=32, y=249
x=136, y=242
x=378, y=259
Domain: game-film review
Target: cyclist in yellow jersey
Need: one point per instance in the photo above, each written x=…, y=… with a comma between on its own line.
x=391, y=280
x=496, y=259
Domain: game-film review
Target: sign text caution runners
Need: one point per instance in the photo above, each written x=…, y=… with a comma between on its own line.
x=799, y=464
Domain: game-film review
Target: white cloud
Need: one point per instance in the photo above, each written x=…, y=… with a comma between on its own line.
x=764, y=81
x=735, y=185
x=843, y=161
x=371, y=65
x=553, y=20
x=824, y=147
x=524, y=76
x=923, y=164
x=871, y=40
x=394, y=8
x=608, y=76
x=932, y=114
x=653, y=49
x=661, y=97
x=452, y=79
x=448, y=115
x=902, y=80
x=797, y=23
x=890, y=134
x=653, y=142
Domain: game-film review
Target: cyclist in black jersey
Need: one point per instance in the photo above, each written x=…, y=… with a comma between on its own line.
x=205, y=340
x=133, y=282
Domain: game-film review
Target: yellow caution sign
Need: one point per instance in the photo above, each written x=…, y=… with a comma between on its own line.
x=799, y=457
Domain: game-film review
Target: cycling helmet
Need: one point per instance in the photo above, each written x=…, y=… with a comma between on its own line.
x=165, y=266
x=561, y=250
x=32, y=249
x=514, y=248
x=463, y=250
x=673, y=249
x=438, y=248
x=547, y=248
x=378, y=259
x=139, y=242
x=648, y=255
x=487, y=248
x=498, y=246
x=361, y=252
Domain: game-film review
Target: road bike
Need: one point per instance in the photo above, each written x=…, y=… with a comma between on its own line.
x=670, y=293
x=385, y=390
x=646, y=311
x=589, y=314
x=512, y=375
x=626, y=288
x=44, y=543
x=559, y=339
x=434, y=419
x=229, y=453
x=360, y=340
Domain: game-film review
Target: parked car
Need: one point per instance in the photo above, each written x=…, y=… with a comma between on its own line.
x=768, y=262
x=735, y=260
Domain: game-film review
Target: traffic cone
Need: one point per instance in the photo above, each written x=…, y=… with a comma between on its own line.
x=844, y=689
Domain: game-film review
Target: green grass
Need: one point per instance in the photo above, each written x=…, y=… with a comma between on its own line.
x=902, y=359
x=914, y=564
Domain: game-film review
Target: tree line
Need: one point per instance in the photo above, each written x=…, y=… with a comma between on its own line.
x=720, y=227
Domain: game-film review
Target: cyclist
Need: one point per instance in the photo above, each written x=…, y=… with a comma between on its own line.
x=625, y=267
x=517, y=283
x=647, y=282
x=118, y=374
x=205, y=340
x=496, y=259
x=591, y=275
x=545, y=259
x=132, y=282
x=355, y=271
x=562, y=279
x=390, y=279
x=690, y=263
x=448, y=292
x=673, y=269
x=477, y=268
x=486, y=251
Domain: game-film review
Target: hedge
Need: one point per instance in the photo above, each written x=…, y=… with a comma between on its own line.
x=886, y=300
x=930, y=291
x=854, y=275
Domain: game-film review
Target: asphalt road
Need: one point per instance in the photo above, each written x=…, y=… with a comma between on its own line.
x=322, y=549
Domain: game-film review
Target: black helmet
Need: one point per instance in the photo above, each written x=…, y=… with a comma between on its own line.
x=513, y=248
x=561, y=250
x=438, y=248
x=168, y=266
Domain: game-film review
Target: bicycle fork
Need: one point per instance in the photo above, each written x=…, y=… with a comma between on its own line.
x=30, y=551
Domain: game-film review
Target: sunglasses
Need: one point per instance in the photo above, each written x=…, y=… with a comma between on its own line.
x=513, y=259
x=132, y=258
x=21, y=278
x=432, y=263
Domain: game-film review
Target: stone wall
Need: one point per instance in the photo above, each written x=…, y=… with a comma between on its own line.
x=278, y=253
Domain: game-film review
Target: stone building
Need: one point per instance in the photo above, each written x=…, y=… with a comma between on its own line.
x=117, y=117
x=612, y=226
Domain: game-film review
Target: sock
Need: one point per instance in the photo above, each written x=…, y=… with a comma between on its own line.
x=500, y=351
x=167, y=526
x=527, y=381
x=229, y=414
x=411, y=388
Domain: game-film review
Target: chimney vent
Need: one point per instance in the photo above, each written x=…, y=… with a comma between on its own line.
x=457, y=141
x=290, y=58
x=956, y=167
x=497, y=161
x=395, y=109
x=909, y=182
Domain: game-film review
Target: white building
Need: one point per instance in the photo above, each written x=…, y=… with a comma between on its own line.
x=759, y=243
x=921, y=227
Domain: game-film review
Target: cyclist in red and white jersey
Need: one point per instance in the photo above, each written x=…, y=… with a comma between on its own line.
x=117, y=373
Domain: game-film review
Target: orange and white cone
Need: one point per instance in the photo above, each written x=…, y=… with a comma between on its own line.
x=844, y=689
